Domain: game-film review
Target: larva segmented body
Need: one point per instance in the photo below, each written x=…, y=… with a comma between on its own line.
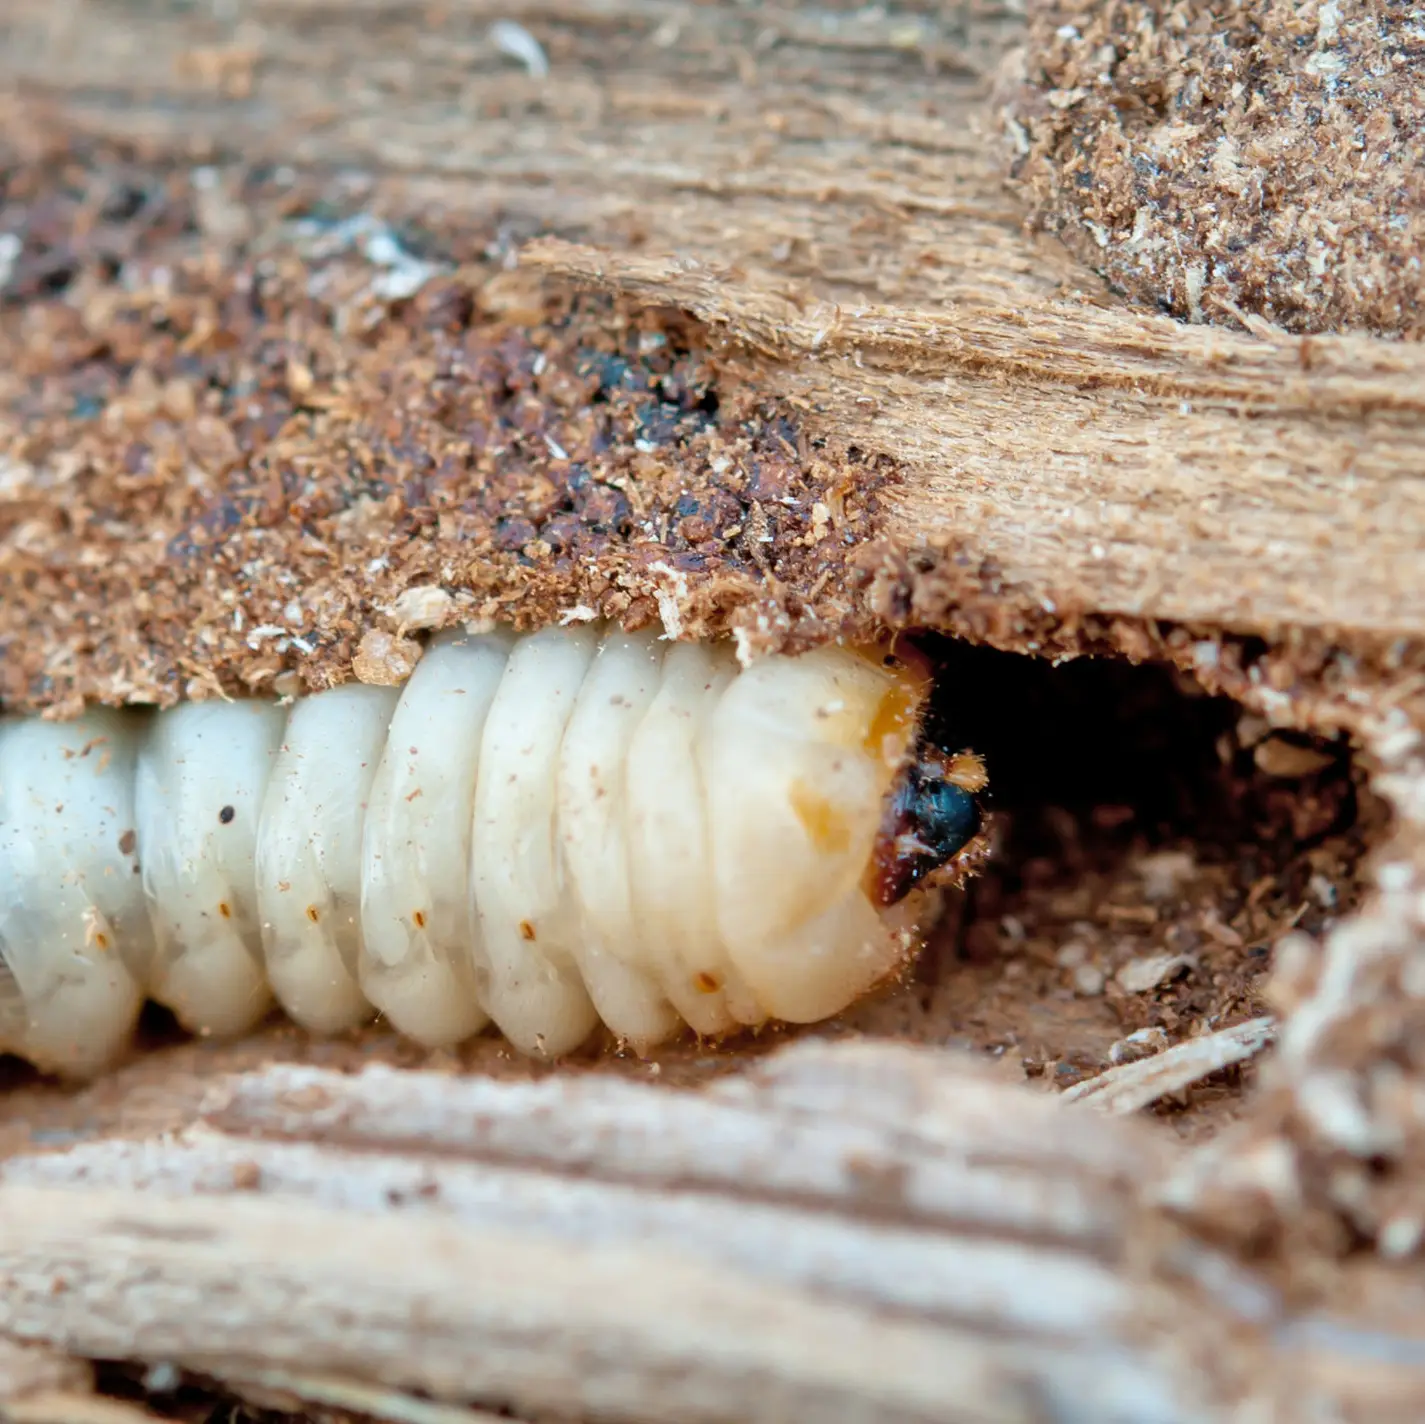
x=544, y=831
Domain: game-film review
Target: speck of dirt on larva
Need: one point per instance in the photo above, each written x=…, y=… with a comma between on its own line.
x=247, y=1176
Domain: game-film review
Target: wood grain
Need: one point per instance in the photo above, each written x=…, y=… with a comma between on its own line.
x=592, y=1245
x=852, y=1231
x=824, y=186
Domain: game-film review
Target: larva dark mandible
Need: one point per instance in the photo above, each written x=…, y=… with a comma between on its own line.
x=576, y=825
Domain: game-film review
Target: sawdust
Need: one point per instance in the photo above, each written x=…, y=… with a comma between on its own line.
x=229, y=461
x=1233, y=163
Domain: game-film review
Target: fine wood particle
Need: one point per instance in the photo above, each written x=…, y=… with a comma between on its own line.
x=236, y=461
x=1232, y=162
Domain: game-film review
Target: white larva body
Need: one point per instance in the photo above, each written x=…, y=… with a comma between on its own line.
x=70, y=895
x=546, y=831
x=525, y=973
x=416, y=912
x=201, y=778
x=619, y=970
x=309, y=848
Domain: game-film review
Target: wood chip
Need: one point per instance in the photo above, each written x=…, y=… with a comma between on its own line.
x=384, y=660
x=1132, y=1086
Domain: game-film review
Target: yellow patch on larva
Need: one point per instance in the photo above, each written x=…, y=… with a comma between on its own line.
x=825, y=824
x=894, y=721
x=591, y=716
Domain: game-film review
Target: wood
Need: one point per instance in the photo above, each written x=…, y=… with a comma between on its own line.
x=513, y=1248
x=1132, y=1086
x=825, y=187
x=27, y=1370
x=852, y=1231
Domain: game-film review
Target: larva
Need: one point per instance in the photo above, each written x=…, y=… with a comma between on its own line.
x=546, y=831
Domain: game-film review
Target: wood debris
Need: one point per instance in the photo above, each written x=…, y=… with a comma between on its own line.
x=1260, y=166
x=1131, y=1086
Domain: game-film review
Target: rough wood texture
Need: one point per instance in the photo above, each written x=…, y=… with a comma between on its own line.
x=589, y=1245
x=825, y=186
x=850, y=1232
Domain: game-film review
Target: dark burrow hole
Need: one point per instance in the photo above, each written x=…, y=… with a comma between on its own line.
x=192, y=1399
x=1151, y=845
x=1142, y=749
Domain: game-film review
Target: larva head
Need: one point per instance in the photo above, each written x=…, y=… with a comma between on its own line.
x=932, y=805
x=828, y=810
x=933, y=814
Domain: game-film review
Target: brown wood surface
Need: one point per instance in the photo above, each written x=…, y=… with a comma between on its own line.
x=825, y=185
x=849, y=1232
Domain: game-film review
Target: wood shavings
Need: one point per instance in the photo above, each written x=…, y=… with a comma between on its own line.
x=422, y=607
x=1279, y=757
x=1142, y=1044
x=1165, y=873
x=1140, y=976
